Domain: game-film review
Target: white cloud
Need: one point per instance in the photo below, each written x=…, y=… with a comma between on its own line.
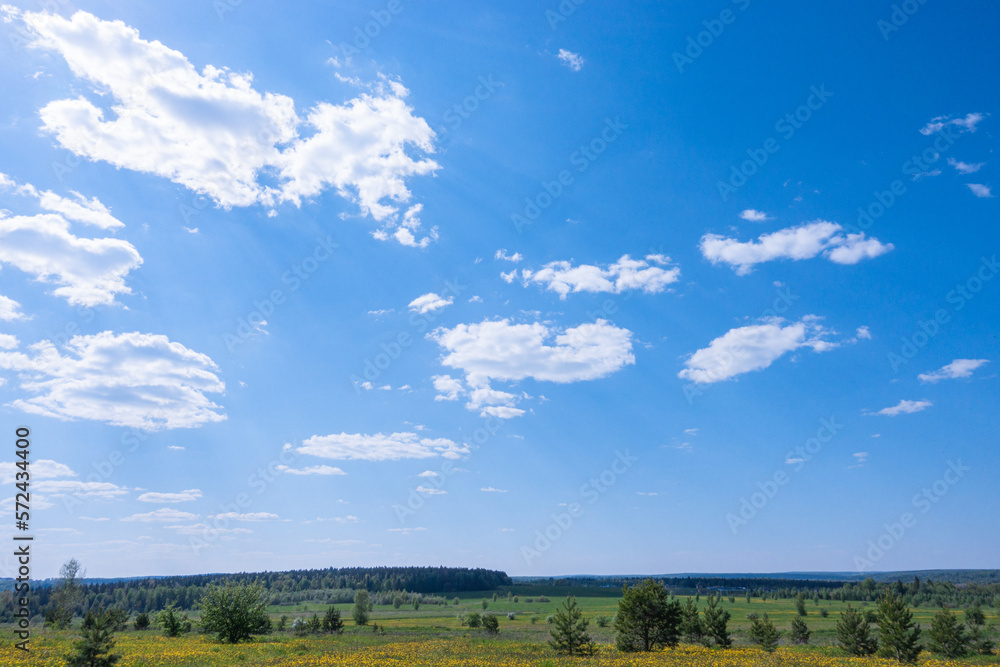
x=429, y=303
x=753, y=348
x=99, y=490
x=312, y=470
x=980, y=190
x=905, y=408
x=795, y=243
x=380, y=447
x=448, y=388
x=475, y=299
x=213, y=133
x=175, y=448
x=10, y=310
x=965, y=167
x=490, y=489
x=429, y=473
x=625, y=274
x=164, y=515
x=959, y=368
x=190, y=495
x=8, y=342
x=86, y=271
x=966, y=124
x=504, y=351
x=430, y=491
x=137, y=380
x=39, y=470
x=502, y=254
x=753, y=215
x=203, y=529
x=250, y=516
x=574, y=61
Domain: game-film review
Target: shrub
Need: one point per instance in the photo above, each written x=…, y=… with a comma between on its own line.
x=602, y=621
x=234, y=612
x=511, y=615
x=141, y=621
x=94, y=647
x=763, y=633
x=490, y=624
x=332, y=622
x=473, y=619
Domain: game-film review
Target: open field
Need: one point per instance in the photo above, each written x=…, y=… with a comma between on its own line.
x=433, y=635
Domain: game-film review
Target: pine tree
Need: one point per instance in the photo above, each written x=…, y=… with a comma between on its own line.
x=716, y=620
x=976, y=620
x=947, y=636
x=800, y=605
x=331, y=621
x=764, y=634
x=647, y=619
x=569, y=636
x=898, y=634
x=94, y=647
x=854, y=633
x=800, y=632
x=691, y=625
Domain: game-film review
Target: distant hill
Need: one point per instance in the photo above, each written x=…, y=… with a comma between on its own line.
x=942, y=576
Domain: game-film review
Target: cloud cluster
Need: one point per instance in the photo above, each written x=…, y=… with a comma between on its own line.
x=380, y=447
x=137, y=380
x=213, y=133
x=795, y=243
x=648, y=275
x=966, y=123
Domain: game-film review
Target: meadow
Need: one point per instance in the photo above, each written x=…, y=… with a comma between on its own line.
x=434, y=636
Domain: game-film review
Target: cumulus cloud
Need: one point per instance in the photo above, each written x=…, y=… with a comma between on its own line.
x=959, y=368
x=795, y=243
x=312, y=470
x=967, y=123
x=213, y=133
x=905, y=408
x=574, y=61
x=380, y=447
x=753, y=348
x=502, y=254
x=563, y=278
x=86, y=271
x=499, y=350
x=133, y=379
x=162, y=515
x=429, y=303
x=753, y=215
x=980, y=190
x=187, y=496
x=40, y=469
x=10, y=310
x=965, y=167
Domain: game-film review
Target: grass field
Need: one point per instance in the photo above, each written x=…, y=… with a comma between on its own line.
x=433, y=636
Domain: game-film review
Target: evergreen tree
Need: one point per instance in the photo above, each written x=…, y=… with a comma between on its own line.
x=94, y=647
x=716, y=620
x=141, y=621
x=569, y=634
x=800, y=605
x=764, y=634
x=691, y=625
x=170, y=621
x=361, y=605
x=647, y=619
x=491, y=625
x=898, y=634
x=800, y=632
x=947, y=637
x=332, y=622
x=854, y=633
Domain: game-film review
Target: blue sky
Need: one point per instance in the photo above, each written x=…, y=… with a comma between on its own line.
x=657, y=287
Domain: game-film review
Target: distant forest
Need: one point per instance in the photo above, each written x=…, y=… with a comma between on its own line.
x=436, y=585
